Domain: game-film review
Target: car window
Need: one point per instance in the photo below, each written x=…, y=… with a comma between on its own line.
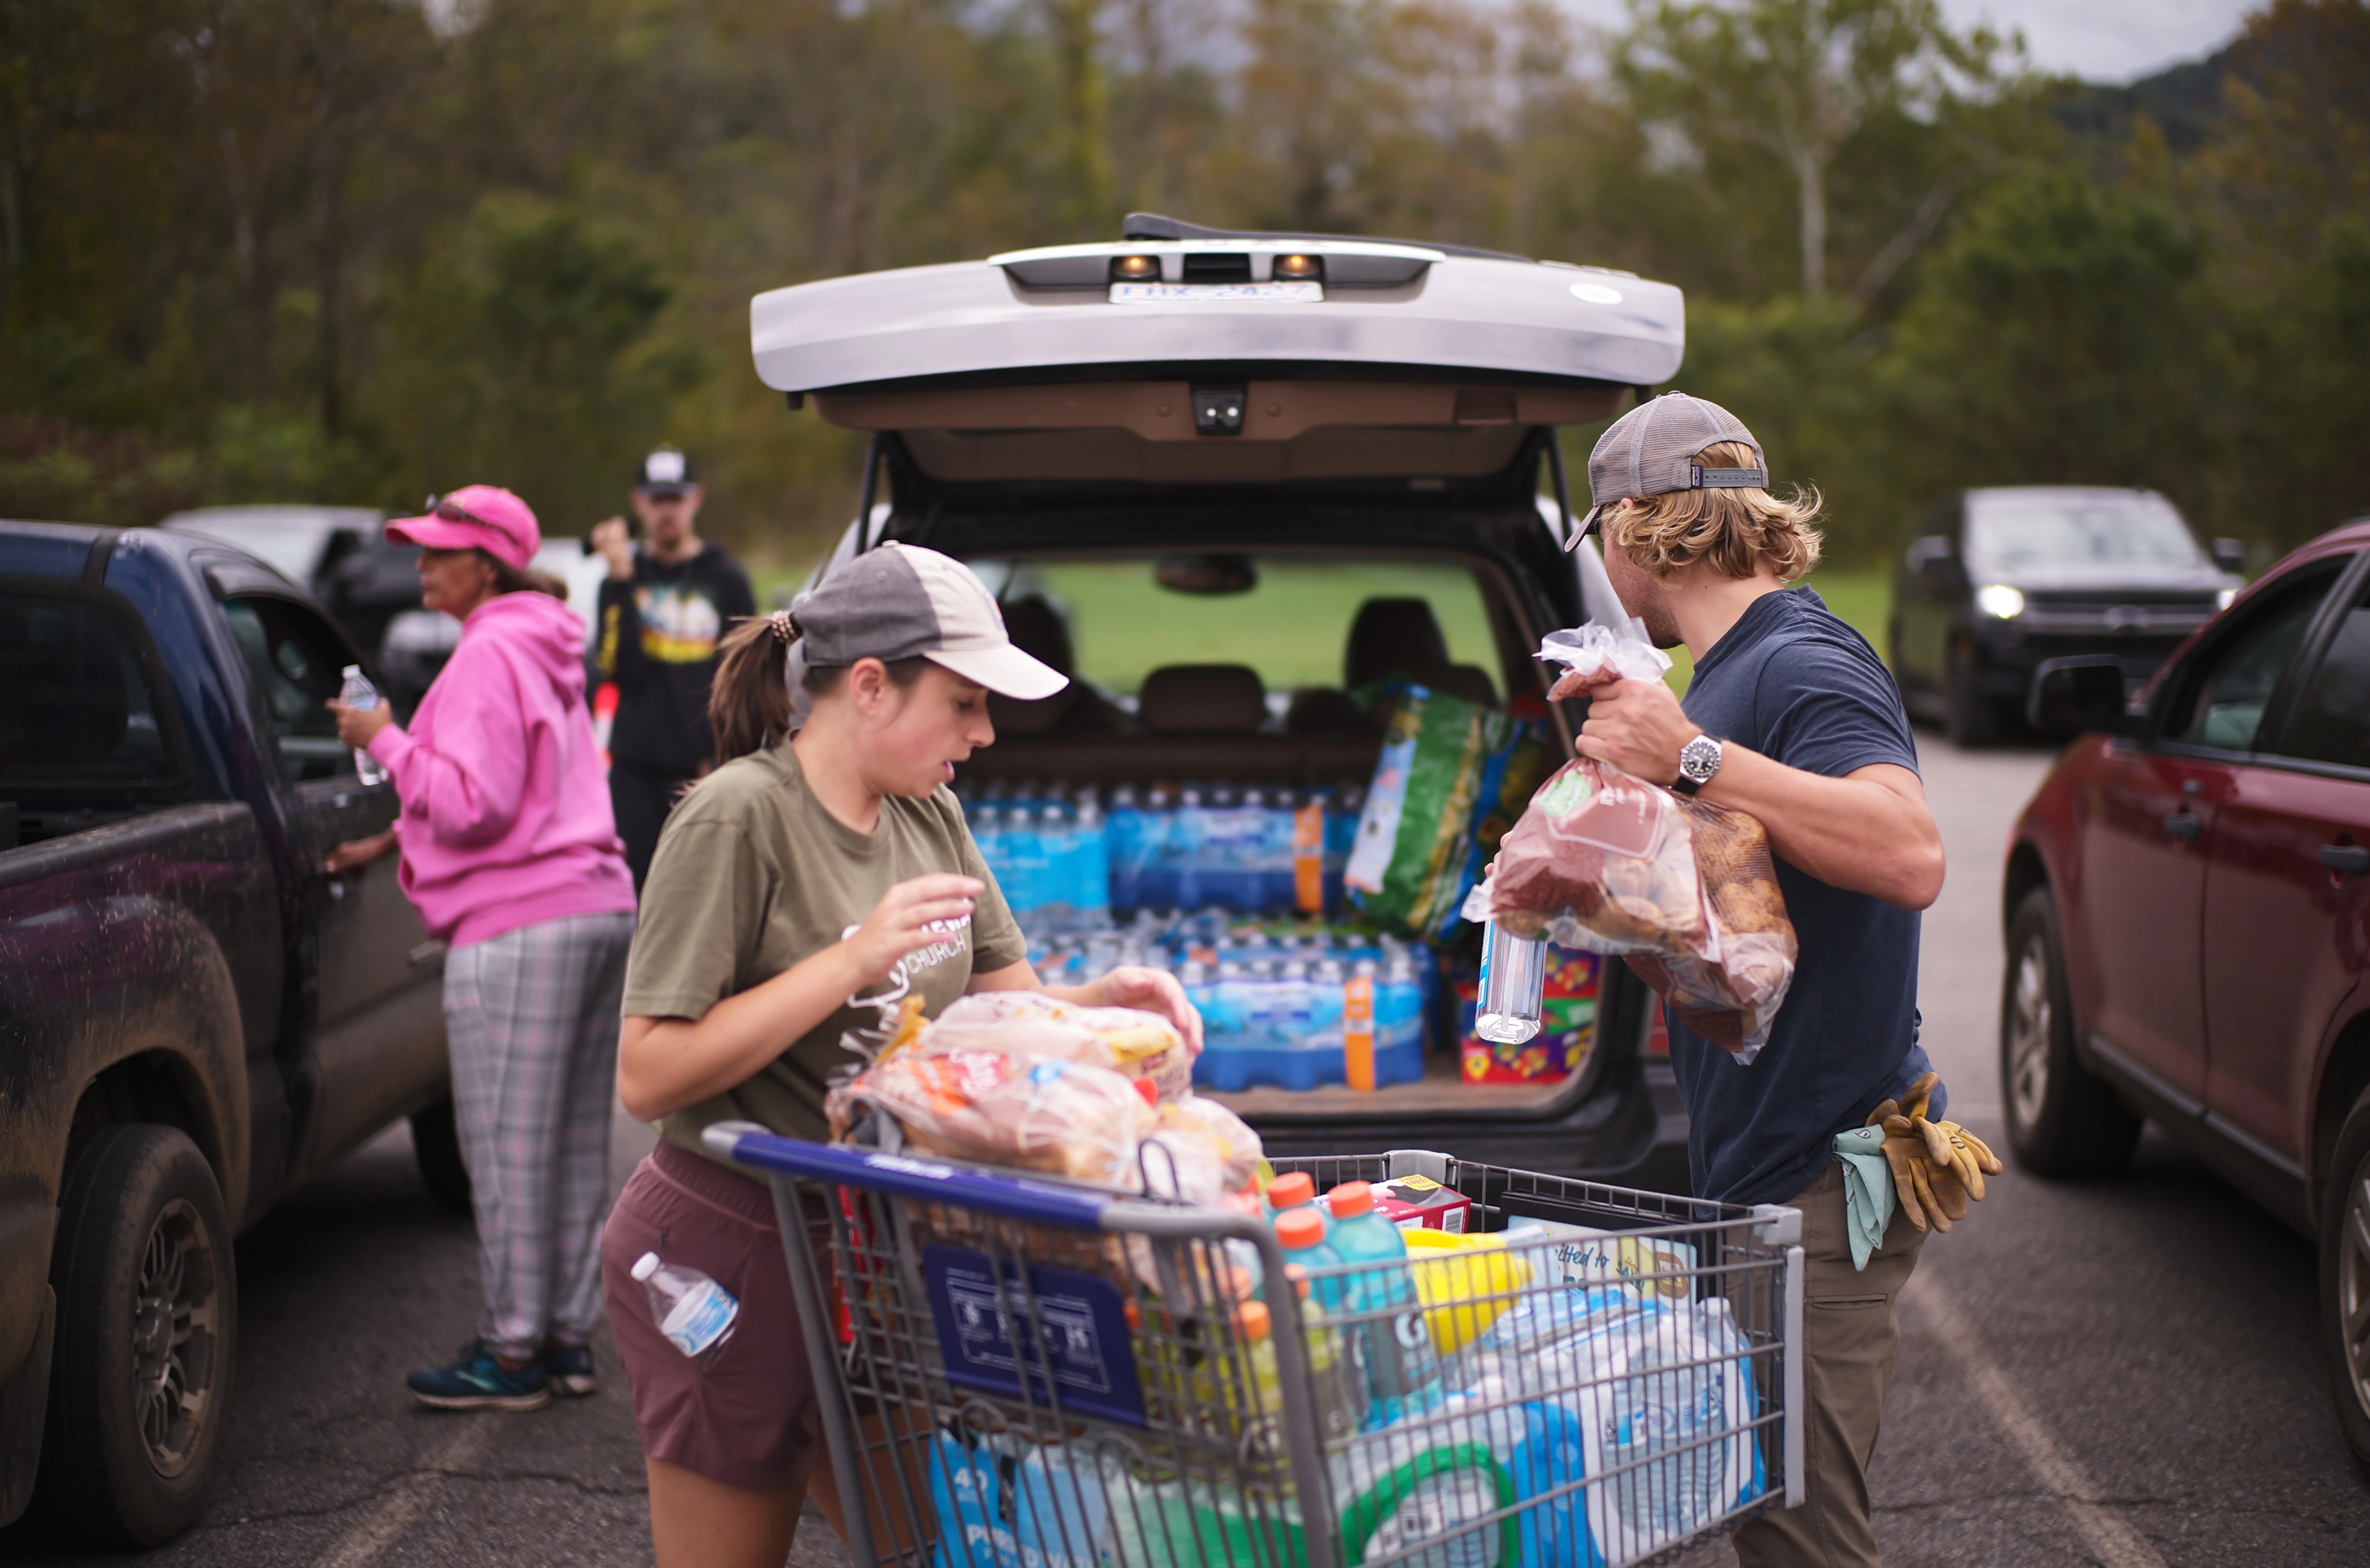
x=2012, y=533
x=2332, y=720
x=2230, y=696
x=297, y=663
x=1292, y=625
x=76, y=710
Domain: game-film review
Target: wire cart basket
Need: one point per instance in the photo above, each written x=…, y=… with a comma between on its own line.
x=1015, y=1371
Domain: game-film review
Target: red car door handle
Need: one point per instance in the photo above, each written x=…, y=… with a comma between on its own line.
x=2350, y=858
x=2180, y=824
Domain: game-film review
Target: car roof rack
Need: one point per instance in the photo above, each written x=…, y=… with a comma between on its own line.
x=1153, y=226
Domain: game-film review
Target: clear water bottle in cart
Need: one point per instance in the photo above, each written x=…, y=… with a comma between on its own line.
x=359, y=693
x=697, y=1314
x=1513, y=976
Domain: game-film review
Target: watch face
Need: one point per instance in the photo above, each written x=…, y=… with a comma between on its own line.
x=1699, y=759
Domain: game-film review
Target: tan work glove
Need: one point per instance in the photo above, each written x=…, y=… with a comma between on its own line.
x=1936, y=1166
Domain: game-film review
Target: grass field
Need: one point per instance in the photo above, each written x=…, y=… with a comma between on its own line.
x=1291, y=627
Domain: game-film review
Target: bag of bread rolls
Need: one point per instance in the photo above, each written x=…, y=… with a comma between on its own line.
x=1683, y=890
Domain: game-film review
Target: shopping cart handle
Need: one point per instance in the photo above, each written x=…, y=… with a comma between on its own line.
x=906, y=1176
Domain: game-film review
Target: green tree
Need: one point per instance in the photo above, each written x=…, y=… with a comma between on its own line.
x=1796, y=79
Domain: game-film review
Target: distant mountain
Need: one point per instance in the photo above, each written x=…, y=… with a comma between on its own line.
x=2182, y=100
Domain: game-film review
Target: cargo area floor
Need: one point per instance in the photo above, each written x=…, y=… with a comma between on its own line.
x=1442, y=1088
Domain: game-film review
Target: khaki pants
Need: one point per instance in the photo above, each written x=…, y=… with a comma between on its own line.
x=1850, y=1339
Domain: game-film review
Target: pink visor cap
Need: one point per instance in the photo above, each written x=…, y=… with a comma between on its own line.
x=477, y=517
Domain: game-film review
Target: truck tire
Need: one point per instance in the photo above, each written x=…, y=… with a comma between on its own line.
x=1971, y=717
x=2345, y=1281
x=436, y=1145
x=147, y=1331
x=2061, y=1120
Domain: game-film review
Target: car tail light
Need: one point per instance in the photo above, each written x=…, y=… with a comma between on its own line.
x=1134, y=268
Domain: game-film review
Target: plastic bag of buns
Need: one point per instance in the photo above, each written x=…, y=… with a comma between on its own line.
x=1016, y=1109
x=1685, y=891
x=1130, y=1042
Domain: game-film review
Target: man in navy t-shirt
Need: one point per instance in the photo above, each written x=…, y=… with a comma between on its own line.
x=1790, y=716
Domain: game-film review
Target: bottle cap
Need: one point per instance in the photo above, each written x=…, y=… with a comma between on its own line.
x=1252, y=1320
x=1350, y=1198
x=1149, y=1089
x=1292, y=1187
x=646, y=1266
x=1299, y=1228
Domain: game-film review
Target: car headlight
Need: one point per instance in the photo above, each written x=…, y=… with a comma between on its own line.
x=2000, y=599
x=2223, y=600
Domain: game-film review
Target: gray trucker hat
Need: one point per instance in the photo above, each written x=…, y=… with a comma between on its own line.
x=902, y=602
x=1651, y=450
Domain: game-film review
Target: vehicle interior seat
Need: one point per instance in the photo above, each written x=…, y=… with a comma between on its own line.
x=1401, y=639
x=1037, y=629
x=1195, y=722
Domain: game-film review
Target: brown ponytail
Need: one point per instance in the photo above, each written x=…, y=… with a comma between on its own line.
x=749, y=699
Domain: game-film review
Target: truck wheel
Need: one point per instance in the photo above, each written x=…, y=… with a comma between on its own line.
x=2345, y=1281
x=2061, y=1120
x=1971, y=717
x=147, y=1326
x=436, y=1145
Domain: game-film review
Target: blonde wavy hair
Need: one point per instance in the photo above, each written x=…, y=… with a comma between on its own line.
x=1734, y=531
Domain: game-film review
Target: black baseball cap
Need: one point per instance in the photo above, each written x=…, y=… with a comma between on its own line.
x=665, y=474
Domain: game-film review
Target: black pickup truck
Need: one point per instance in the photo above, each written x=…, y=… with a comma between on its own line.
x=194, y=1015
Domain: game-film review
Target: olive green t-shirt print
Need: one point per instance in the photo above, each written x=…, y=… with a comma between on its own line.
x=753, y=875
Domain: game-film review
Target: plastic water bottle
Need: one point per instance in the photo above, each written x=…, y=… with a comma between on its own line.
x=1024, y=860
x=697, y=1314
x=359, y=693
x=1090, y=849
x=1184, y=853
x=1336, y=1380
x=1156, y=866
x=1402, y=1366
x=1057, y=895
x=1514, y=978
x=1398, y=1002
x=1359, y=1001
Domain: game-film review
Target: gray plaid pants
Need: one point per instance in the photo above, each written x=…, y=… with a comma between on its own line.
x=532, y=1017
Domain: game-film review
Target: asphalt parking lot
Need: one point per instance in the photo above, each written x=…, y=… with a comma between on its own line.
x=2121, y=1373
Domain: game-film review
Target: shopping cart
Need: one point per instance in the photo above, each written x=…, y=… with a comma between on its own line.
x=1019, y=1372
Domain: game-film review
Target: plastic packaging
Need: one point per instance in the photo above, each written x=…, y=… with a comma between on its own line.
x=1134, y=1044
x=1683, y=889
x=1402, y=1368
x=1513, y=986
x=1006, y=1107
x=1413, y=861
x=357, y=692
x=696, y=1314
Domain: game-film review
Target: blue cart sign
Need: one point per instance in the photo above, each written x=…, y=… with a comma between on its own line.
x=1079, y=1339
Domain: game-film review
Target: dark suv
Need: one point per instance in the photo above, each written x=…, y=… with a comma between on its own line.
x=1999, y=582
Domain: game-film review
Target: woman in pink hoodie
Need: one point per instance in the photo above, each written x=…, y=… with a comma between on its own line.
x=512, y=855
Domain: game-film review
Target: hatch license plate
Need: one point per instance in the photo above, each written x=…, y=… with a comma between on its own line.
x=1297, y=292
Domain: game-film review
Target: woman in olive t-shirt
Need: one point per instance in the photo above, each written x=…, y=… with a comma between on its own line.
x=798, y=894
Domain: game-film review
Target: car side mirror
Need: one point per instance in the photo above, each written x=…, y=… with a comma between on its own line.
x=2230, y=555
x=1930, y=557
x=2074, y=697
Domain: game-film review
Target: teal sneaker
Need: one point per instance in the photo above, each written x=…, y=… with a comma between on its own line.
x=569, y=1368
x=477, y=1381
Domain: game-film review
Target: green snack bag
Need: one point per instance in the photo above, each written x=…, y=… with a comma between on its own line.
x=1413, y=861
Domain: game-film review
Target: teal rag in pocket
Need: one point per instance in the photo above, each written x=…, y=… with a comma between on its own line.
x=1867, y=1190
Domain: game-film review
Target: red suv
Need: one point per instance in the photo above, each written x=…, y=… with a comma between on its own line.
x=2188, y=905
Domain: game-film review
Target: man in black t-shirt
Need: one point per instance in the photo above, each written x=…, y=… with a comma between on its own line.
x=661, y=612
x=1789, y=716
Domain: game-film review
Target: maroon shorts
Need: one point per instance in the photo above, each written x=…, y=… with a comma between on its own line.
x=749, y=1419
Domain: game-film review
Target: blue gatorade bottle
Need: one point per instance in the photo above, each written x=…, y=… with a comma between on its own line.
x=1402, y=1368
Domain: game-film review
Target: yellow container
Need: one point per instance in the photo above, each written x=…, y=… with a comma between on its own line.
x=1466, y=1284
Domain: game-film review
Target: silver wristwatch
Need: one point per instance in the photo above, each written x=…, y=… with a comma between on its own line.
x=1698, y=760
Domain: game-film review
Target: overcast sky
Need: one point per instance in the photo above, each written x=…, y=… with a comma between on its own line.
x=2105, y=41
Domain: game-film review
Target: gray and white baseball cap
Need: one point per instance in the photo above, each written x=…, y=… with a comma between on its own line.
x=902, y=602
x=1651, y=450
